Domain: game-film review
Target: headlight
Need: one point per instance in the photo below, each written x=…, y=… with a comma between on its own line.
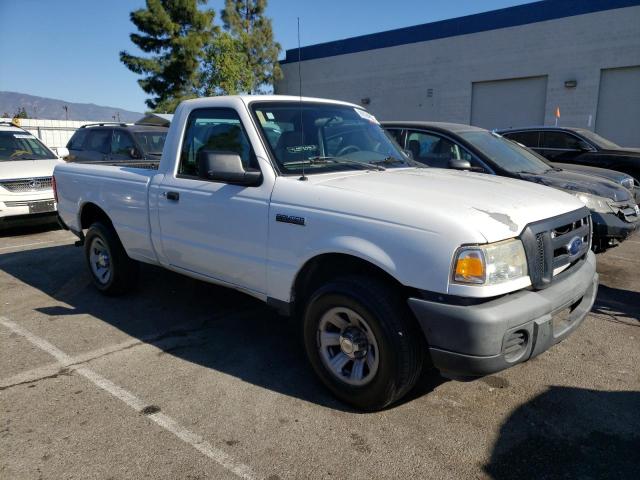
x=627, y=183
x=490, y=264
x=594, y=202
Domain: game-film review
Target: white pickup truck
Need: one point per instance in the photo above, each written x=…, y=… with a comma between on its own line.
x=309, y=206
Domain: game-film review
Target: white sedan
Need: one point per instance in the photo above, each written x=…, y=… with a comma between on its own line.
x=26, y=171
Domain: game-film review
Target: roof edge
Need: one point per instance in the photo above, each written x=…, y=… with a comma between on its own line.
x=480, y=22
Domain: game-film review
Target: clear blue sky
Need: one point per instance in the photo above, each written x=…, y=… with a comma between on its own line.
x=68, y=49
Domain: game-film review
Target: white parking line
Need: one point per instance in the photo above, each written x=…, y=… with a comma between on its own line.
x=166, y=422
x=26, y=245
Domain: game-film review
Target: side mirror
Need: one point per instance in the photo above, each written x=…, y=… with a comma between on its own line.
x=226, y=167
x=61, y=152
x=134, y=153
x=458, y=164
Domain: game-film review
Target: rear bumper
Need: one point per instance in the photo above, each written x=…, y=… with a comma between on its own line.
x=475, y=340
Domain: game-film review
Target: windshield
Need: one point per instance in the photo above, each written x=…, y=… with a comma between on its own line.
x=332, y=138
x=151, y=142
x=20, y=145
x=506, y=154
x=598, y=140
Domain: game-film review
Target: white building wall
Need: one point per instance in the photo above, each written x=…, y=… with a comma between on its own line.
x=397, y=79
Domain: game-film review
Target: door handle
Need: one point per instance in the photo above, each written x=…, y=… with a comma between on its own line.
x=173, y=196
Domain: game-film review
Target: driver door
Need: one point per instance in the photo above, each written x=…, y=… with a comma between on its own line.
x=212, y=228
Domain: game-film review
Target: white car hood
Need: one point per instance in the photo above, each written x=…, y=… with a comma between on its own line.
x=496, y=207
x=26, y=169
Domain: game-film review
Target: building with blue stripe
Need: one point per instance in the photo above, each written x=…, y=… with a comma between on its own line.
x=505, y=68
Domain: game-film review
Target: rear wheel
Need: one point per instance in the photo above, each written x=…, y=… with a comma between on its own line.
x=112, y=271
x=362, y=342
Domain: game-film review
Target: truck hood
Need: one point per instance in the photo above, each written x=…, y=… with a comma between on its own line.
x=26, y=169
x=496, y=207
x=580, y=182
x=613, y=175
x=626, y=151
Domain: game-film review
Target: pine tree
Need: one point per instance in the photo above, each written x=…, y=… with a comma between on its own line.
x=246, y=22
x=174, y=32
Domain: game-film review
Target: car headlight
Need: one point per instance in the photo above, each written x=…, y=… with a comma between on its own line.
x=594, y=202
x=490, y=264
x=627, y=183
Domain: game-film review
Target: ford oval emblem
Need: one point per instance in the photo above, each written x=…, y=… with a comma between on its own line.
x=574, y=246
x=34, y=184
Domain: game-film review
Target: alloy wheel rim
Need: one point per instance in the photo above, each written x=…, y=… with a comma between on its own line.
x=347, y=346
x=100, y=261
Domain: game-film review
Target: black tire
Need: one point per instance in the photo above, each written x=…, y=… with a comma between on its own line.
x=123, y=271
x=399, y=341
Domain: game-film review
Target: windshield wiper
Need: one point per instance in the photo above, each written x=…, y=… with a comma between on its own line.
x=24, y=156
x=324, y=160
x=388, y=161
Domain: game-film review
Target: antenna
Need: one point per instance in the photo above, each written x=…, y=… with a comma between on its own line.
x=303, y=178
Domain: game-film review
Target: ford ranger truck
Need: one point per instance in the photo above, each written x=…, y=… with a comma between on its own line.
x=309, y=206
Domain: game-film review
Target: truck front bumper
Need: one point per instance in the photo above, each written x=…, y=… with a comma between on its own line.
x=475, y=340
x=17, y=215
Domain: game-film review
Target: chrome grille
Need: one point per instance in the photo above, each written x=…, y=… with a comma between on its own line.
x=36, y=184
x=555, y=243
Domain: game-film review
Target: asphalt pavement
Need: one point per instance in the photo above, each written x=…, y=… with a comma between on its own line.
x=182, y=379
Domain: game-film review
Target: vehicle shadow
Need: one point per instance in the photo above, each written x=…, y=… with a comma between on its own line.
x=212, y=326
x=570, y=433
x=31, y=228
x=620, y=305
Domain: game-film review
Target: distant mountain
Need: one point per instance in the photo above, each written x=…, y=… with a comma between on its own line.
x=41, y=107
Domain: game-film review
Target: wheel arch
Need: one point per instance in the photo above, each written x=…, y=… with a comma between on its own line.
x=90, y=212
x=328, y=265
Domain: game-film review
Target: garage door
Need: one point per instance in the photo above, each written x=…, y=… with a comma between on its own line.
x=518, y=102
x=618, y=116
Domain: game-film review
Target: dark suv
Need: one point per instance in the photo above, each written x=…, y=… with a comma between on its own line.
x=577, y=146
x=116, y=143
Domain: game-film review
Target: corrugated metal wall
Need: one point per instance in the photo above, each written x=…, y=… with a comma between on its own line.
x=53, y=133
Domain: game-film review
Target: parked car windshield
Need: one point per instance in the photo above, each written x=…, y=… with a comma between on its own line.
x=151, y=142
x=320, y=137
x=598, y=140
x=20, y=145
x=506, y=154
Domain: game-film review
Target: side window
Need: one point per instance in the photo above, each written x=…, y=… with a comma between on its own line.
x=214, y=129
x=78, y=138
x=396, y=134
x=99, y=141
x=121, y=143
x=528, y=139
x=436, y=151
x=561, y=140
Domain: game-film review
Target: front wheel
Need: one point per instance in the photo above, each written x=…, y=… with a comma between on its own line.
x=112, y=271
x=362, y=342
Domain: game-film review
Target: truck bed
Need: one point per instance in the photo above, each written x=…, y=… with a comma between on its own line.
x=120, y=190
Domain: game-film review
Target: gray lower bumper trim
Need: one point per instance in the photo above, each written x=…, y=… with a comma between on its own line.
x=473, y=340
